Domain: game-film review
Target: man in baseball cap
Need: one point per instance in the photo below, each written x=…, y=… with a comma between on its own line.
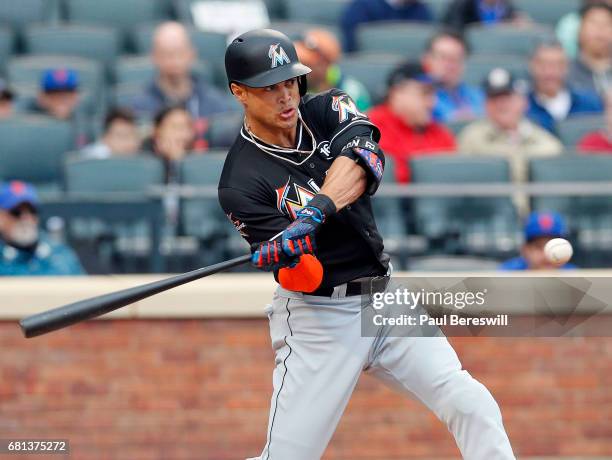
x=406, y=119
x=24, y=249
x=540, y=228
x=6, y=100
x=59, y=93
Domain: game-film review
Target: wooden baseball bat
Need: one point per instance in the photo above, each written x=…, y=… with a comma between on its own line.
x=64, y=316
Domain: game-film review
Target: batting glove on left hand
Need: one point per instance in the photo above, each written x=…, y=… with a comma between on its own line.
x=299, y=237
x=269, y=256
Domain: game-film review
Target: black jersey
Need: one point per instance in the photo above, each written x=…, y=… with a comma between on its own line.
x=262, y=186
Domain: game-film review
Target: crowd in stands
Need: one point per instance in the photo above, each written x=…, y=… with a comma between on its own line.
x=424, y=105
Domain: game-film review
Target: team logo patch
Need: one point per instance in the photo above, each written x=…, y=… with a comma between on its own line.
x=345, y=107
x=277, y=55
x=240, y=226
x=290, y=198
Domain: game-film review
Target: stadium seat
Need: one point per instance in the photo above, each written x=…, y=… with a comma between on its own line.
x=574, y=128
x=371, y=69
x=92, y=42
x=547, y=11
x=203, y=217
x=224, y=128
x=296, y=30
x=316, y=11
x=478, y=66
x=7, y=46
x=407, y=39
x=19, y=13
x=123, y=14
x=476, y=225
x=139, y=70
x=452, y=264
x=28, y=70
x=505, y=39
x=135, y=174
x=32, y=147
x=123, y=95
x=457, y=126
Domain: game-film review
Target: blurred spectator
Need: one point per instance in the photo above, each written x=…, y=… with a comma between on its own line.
x=120, y=137
x=6, y=100
x=405, y=119
x=540, y=228
x=600, y=141
x=592, y=69
x=461, y=13
x=551, y=99
x=24, y=249
x=173, y=138
x=319, y=49
x=363, y=11
x=568, y=27
x=173, y=55
x=59, y=97
x=505, y=130
x=444, y=59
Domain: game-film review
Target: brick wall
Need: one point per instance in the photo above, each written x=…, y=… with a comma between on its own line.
x=199, y=389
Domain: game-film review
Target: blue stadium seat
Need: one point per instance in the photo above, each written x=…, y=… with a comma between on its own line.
x=438, y=8
x=203, y=217
x=371, y=69
x=93, y=42
x=123, y=14
x=475, y=225
x=505, y=39
x=223, y=129
x=139, y=70
x=132, y=174
x=7, y=46
x=547, y=11
x=32, y=148
x=20, y=13
x=574, y=128
x=407, y=39
x=478, y=66
x=296, y=30
x=316, y=11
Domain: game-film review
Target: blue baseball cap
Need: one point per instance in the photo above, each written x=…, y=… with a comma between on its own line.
x=59, y=80
x=545, y=224
x=15, y=193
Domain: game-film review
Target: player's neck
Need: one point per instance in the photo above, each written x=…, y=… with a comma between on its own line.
x=274, y=136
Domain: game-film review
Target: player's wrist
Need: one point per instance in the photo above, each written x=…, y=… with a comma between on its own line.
x=324, y=205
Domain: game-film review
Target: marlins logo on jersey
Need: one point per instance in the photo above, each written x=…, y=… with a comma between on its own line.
x=289, y=200
x=278, y=55
x=345, y=107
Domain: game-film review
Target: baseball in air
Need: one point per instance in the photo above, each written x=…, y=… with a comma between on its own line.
x=558, y=251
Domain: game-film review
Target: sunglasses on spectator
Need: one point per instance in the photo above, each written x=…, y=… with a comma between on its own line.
x=20, y=210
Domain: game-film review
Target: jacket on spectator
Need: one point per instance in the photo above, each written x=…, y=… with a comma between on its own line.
x=583, y=78
x=460, y=13
x=362, y=11
x=581, y=103
x=402, y=142
x=48, y=258
x=461, y=103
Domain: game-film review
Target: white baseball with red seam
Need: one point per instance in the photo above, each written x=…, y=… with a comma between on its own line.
x=558, y=251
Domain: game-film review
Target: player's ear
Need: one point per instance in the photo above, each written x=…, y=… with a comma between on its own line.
x=239, y=92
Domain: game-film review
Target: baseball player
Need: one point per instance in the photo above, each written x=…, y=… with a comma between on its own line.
x=297, y=185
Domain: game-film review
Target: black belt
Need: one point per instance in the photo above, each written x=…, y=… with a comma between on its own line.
x=360, y=286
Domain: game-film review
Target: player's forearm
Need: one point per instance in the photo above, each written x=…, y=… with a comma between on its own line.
x=345, y=182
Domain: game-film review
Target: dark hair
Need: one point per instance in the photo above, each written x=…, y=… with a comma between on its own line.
x=450, y=33
x=163, y=113
x=592, y=5
x=118, y=113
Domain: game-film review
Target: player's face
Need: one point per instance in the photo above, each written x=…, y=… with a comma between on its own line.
x=533, y=252
x=273, y=106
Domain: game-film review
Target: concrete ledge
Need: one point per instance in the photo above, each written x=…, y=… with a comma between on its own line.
x=221, y=295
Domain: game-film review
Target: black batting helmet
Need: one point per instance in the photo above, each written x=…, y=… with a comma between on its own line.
x=264, y=57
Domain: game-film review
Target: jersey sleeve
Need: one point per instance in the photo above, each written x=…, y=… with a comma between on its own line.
x=342, y=121
x=253, y=218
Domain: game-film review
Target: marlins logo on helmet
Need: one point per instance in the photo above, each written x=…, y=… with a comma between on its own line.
x=278, y=55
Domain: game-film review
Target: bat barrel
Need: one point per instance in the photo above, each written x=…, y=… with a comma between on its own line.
x=60, y=317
